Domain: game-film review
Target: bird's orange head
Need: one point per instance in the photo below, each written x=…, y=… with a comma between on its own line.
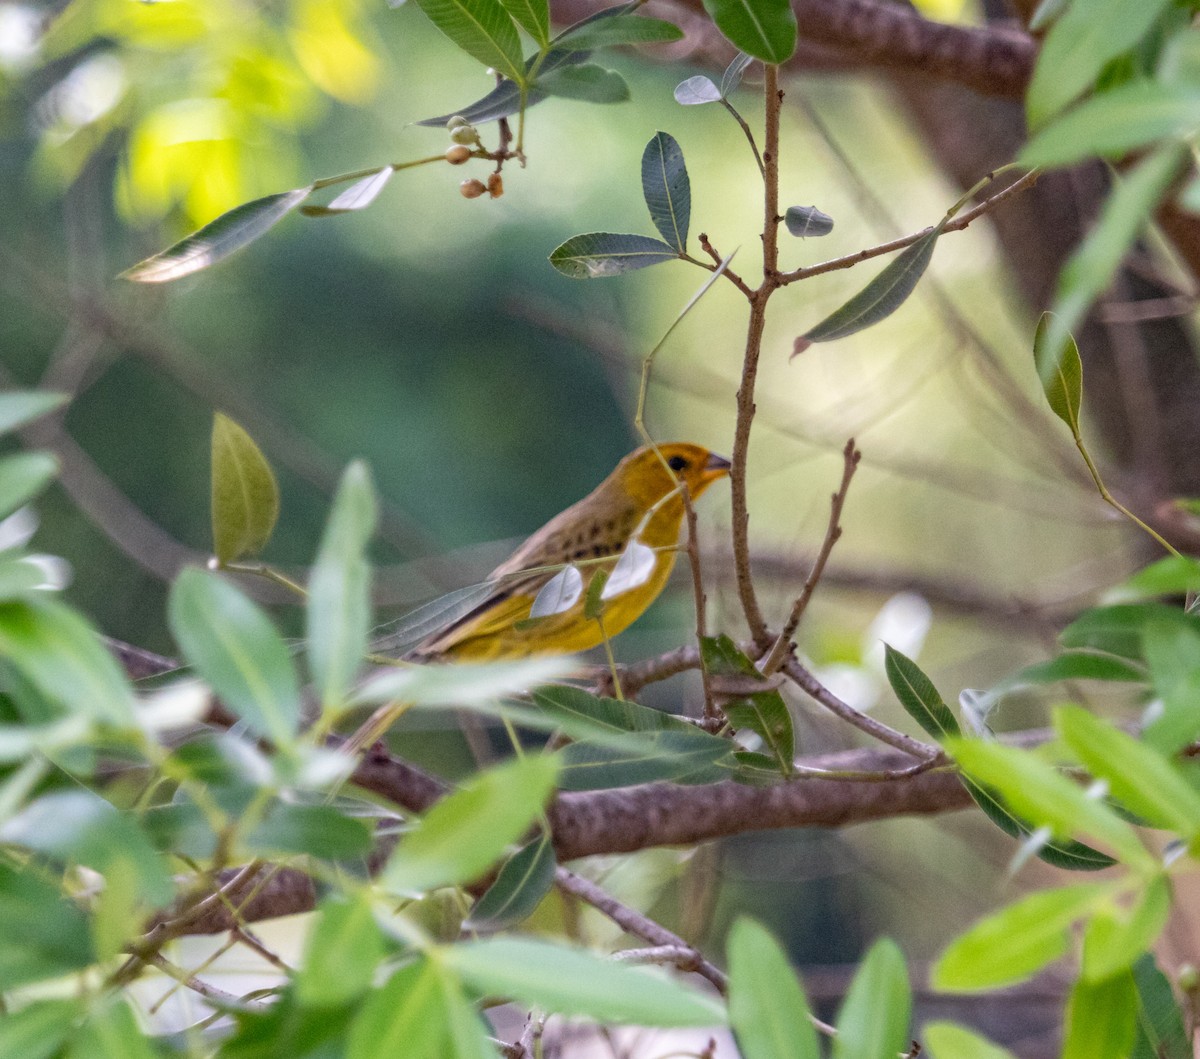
x=648, y=478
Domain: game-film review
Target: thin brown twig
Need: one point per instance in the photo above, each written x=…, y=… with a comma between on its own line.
x=877, y=729
x=778, y=652
x=633, y=922
x=732, y=276
x=956, y=225
x=712, y=716
x=219, y=997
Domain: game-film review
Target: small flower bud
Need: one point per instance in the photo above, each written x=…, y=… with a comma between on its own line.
x=471, y=189
x=456, y=121
x=467, y=134
x=495, y=185
x=457, y=154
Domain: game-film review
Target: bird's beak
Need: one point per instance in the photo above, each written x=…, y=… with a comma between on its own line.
x=716, y=466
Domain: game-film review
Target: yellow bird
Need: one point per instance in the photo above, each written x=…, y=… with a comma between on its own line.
x=641, y=500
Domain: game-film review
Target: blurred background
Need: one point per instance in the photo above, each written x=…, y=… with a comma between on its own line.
x=430, y=336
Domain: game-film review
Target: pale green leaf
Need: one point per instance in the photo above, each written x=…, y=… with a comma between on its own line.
x=767, y=1006
x=245, y=495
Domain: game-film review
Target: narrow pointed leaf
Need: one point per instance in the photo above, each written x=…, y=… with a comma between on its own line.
x=23, y=475
x=763, y=29
x=569, y=981
x=1160, y=1029
x=481, y=28
x=882, y=296
x=696, y=91
x=600, y=254
x=667, y=190
x=341, y=952
x=245, y=495
x=594, y=714
x=918, y=696
x=358, y=196
x=1116, y=938
x=1169, y=576
x=59, y=653
x=767, y=1006
x=432, y=616
x=1172, y=651
x=217, y=239
x=533, y=16
x=807, y=222
x=1091, y=267
x=681, y=756
x=587, y=82
x=948, y=1041
x=1061, y=373
x=519, y=888
x=1116, y=122
x=1016, y=942
x=1078, y=47
x=339, y=590
x=1101, y=1019
x=467, y=831
x=1139, y=777
x=21, y=407
x=237, y=650
x=767, y=715
x=875, y=1016
x=625, y=29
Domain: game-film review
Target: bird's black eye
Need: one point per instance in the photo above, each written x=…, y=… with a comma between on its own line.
x=678, y=463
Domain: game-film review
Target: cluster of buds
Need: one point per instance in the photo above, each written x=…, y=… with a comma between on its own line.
x=466, y=141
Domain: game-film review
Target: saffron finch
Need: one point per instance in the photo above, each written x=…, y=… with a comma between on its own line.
x=640, y=501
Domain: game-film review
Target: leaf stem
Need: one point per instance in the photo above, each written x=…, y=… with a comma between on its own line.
x=749, y=135
x=1108, y=498
x=269, y=573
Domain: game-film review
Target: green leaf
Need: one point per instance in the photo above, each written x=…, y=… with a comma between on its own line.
x=22, y=476
x=343, y=949
x=405, y=1017
x=425, y=620
x=1075, y=665
x=1016, y=942
x=285, y=1028
x=1062, y=853
x=666, y=188
x=1160, y=1030
x=882, y=296
x=466, y=832
x=1077, y=48
x=245, y=496
x=592, y=714
x=1139, y=777
x=23, y=575
x=767, y=715
x=1091, y=267
x=807, y=222
x=519, y=888
x=625, y=29
x=61, y=655
x=531, y=15
x=1061, y=373
x=358, y=196
x=1044, y=796
x=681, y=756
x=45, y=935
x=599, y=254
x=587, y=82
x=238, y=651
x=696, y=91
x=948, y=1041
x=317, y=830
x=918, y=696
x=1170, y=576
x=1116, y=937
x=1101, y=1018
x=462, y=684
x=38, y=1030
x=217, y=239
x=1172, y=651
x=24, y=406
x=79, y=826
x=481, y=28
x=112, y=1032
x=339, y=590
x=1120, y=629
x=767, y=1006
x=569, y=981
x=875, y=1016
x=1110, y=125
x=764, y=29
